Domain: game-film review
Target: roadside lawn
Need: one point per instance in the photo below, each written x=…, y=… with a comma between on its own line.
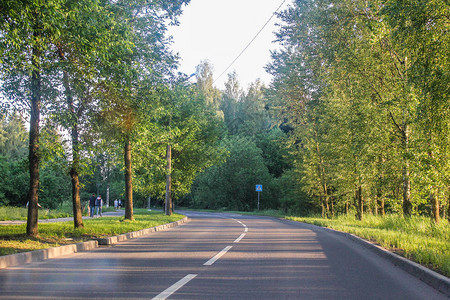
x=14, y=240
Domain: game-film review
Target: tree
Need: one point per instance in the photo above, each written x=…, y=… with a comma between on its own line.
x=348, y=84
x=179, y=118
x=146, y=65
x=80, y=47
x=231, y=185
x=28, y=30
x=13, y=149
x=204, y=75
x=230, y=98
x=421, y=28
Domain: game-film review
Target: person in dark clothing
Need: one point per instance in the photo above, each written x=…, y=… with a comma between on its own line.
x=99, y=204
x=92, y=205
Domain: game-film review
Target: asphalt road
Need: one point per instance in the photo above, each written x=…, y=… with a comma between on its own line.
x=219, y=256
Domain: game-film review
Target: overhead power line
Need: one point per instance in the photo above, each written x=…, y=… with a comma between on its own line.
x=262, y=28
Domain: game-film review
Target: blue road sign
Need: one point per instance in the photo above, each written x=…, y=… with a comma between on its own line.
x=259, y=187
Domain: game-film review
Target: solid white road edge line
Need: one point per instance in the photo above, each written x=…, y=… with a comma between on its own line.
x=239, y=238
x=217, y=256
x=172, y=289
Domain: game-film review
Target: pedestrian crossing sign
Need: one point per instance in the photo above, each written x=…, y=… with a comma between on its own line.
x=259, y=187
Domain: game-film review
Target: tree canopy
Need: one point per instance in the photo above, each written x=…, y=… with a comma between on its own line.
x=355, y=120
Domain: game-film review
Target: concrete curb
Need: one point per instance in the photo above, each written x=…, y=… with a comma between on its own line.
x=44, y=254
x=432, y=278
x=130, y=235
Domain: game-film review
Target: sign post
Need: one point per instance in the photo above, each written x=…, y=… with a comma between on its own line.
x=258, y=189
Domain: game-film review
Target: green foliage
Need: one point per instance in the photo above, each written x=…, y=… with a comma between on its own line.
x=179, y=116
x=293, y=200
x=14, y=180
x=13, y=164
x=231, y=185
x=364, y=88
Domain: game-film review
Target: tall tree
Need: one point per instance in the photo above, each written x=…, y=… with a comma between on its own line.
x=149, y=61
x=205, y=80
x=230, y=101
x=421, y=29
x=345, y=48
x=29, y=30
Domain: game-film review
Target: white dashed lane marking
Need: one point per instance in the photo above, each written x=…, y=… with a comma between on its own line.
x=179, y=284
x=175, y=287
x=217, y=256
x=239, y=238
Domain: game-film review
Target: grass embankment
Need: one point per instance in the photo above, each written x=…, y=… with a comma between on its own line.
x=416, y=238
x=13, y=238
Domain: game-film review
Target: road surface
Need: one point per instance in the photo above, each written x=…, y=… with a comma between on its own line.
x=220, y=256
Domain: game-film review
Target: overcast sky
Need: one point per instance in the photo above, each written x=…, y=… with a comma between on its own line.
x=218, y=30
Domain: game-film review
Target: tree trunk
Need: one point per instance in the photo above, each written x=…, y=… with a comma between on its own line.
x=382, y=207
x=448, y=203
x=435, y=205
x=369, y=205
x=332, y=207
x=327, y=206
x=168, y=201
x=359, y=204
x=107, y=193
x=322, y=207
x=33, y=155
x=128, y=181
x=379, y=203
x=407, y=205
x=76, y=202
x=375, y=210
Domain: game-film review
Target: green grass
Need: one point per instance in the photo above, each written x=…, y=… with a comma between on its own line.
x=14, y=240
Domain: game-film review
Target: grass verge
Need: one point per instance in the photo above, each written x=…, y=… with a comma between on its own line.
x=14, y=240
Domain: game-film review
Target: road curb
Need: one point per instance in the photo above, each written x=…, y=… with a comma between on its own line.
x=430, y=277
x=134, y=234
x=19, y=259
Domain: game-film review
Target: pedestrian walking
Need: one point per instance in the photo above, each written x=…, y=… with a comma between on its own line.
x=116, y=204
x=98, y=204
x=92, y=205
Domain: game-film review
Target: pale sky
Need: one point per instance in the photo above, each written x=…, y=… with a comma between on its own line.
x=218, y=30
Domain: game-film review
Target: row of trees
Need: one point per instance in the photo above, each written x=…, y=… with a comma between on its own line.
x=356, y=117
x=364, y=87
x=253, y=145
x=102, y=72
x=54, y=179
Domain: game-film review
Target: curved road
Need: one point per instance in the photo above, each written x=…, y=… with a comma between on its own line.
x=220, y=256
